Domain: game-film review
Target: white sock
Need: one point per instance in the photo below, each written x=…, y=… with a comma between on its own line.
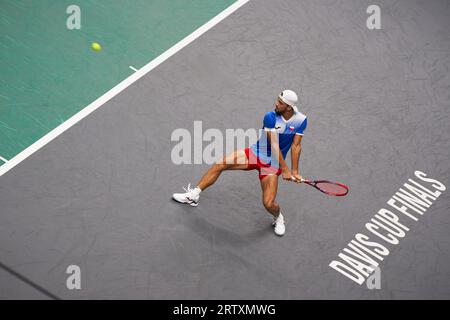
x=280, y=216
x=197, y=190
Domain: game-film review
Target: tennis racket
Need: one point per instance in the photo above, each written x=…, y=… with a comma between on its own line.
x=328, y=187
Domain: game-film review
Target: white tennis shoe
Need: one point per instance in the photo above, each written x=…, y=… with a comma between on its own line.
x=191, y=196
x=279, y=227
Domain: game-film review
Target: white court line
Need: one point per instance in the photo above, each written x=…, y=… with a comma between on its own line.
x=3, y=159
x=119, y=88
x=133, y=68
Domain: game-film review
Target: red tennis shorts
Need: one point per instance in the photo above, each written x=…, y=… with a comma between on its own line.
x=264, y=169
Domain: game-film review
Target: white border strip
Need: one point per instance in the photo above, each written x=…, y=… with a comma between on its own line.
x=119, y=88
x=3, y=159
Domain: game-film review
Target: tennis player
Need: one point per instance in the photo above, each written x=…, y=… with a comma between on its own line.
x=283, y=129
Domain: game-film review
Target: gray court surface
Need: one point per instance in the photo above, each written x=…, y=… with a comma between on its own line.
x=378, y=105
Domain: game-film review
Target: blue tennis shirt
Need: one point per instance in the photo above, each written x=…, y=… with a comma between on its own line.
x=286, y=130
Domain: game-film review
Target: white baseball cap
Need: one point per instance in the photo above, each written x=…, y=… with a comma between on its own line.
x=289, y=97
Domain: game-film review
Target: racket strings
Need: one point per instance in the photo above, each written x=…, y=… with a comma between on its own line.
x=332, y=188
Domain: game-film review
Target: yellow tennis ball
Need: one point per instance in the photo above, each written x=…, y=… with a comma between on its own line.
x=96, y=46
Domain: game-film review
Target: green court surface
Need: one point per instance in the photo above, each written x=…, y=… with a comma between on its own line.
x=49, y=73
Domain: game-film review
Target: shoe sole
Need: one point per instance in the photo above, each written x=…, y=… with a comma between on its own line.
x=192, y=204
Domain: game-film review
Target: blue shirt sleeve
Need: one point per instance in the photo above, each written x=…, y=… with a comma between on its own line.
x=269, y=120
x=300, y=130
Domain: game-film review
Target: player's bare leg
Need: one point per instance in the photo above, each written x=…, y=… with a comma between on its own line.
x=269, y=186
x=236, y=160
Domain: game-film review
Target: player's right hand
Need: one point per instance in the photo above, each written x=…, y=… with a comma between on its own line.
x=286, y=174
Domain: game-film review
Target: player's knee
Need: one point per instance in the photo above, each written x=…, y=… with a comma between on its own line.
x=269, y=203
x=224, y=163
x=219, y=166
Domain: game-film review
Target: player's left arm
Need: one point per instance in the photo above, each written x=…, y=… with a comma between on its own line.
x=296, y=150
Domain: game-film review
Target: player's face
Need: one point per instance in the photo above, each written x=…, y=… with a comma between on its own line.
x=280, y=106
